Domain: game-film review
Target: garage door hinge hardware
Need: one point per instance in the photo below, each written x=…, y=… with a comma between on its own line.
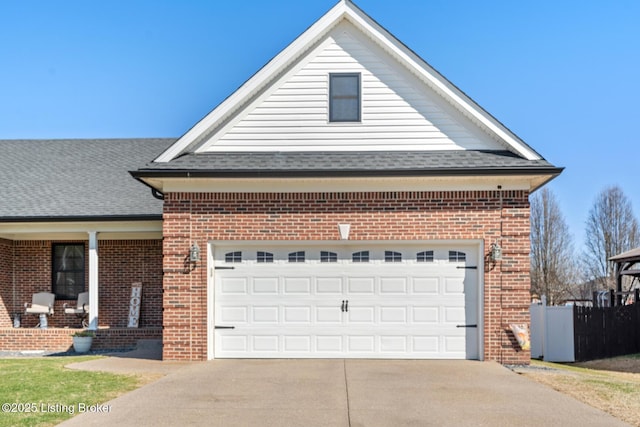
x=466, y=326
x=345, y=306
x=468, y=267
x=224, y=268
x=224, y=327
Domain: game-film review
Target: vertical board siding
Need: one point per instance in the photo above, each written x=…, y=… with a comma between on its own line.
x=398, y=111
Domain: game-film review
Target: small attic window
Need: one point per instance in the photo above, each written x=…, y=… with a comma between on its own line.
x=344, y=97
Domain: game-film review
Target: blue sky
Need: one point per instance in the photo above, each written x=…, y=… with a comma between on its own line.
x=563, y=75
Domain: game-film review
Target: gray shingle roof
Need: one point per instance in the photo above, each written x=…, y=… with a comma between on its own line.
x=62, y=179
x=347, y=163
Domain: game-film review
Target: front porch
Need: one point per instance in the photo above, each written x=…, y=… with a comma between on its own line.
x=26, y=269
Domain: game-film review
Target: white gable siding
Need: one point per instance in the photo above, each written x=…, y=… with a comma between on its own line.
x=398, y=112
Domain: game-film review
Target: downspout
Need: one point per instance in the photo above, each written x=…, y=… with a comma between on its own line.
x=13, y=278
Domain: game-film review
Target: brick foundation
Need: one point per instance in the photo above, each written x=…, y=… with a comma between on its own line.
x=483, y=215
x=60, y=339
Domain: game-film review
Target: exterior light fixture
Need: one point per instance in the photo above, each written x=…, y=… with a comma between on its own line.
x=495, y=252
x=194, y=253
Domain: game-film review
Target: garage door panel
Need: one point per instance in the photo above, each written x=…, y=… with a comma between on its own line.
x=233, y=315
x=426, y=343
x=297, y=344
x=454, y=315
x=329, y=286
x=361, y=343
x=232, y=343
x=393, y=285
x=265, y=285
x=234, y=285
x=262, y=314
x=297, y=314
x=453, y=285
x=426, y=285
x=376, y=308
x=331, y=344
x=393, y=315
x=361, y=285
x=393, y=344
x=361, y=315
x=265, y=343
x=297, y=285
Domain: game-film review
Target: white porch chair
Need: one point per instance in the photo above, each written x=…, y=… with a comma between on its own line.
x=42, y=305
x=81, y=310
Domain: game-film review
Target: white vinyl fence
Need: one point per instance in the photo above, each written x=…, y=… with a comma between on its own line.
x=552, y=332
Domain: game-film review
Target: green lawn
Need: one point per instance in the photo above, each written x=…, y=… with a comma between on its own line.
x=42, y=392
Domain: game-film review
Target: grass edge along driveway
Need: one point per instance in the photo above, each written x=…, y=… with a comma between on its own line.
x=611, y=385
x=42, y=392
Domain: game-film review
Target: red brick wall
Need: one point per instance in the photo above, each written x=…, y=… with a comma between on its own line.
x=60, y=339
x=6, y=282
x=200, y=217
x=121, y=262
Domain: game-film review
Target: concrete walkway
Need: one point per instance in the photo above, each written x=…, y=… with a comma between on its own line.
x=338, y=393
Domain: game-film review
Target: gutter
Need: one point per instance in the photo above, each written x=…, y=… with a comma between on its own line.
x=105, y=218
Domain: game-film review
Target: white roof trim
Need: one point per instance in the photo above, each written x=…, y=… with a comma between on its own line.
x=345, y=9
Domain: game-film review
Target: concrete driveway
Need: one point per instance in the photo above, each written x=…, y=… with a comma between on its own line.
x=345, y=393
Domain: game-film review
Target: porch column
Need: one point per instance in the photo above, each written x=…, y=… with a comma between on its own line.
x=93, y=280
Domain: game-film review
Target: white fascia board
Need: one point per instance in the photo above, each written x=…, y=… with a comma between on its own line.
x=365, y=184
x=258, y=81
x=116, y=230
x=439, y=83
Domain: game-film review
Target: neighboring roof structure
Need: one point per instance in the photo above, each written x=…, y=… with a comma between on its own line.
x=632, y=255
x=76, y=179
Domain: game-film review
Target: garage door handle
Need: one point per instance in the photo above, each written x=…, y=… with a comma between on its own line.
x=345, y=306
x=466, y=326
x=224, y=327
x=468, y=267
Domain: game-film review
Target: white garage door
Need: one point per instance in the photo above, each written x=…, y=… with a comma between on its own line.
x=374, y=301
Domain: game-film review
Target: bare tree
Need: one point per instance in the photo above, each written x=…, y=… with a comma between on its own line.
x=552, y=256
x=611, y=229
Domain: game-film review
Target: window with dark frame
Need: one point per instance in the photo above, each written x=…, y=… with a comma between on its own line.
x=455, y=256
x=362, y=256
x=298, y=256
x=391, y=256
x=67, y=270
x=264, y=257
x=425, y=256
x=344, y=97
x=326, y=256
x=233, y=256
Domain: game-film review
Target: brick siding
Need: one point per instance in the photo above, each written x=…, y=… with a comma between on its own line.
x=485, y=215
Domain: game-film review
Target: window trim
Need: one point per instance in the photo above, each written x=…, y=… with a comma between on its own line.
x=54, y=271
x=358, y=97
